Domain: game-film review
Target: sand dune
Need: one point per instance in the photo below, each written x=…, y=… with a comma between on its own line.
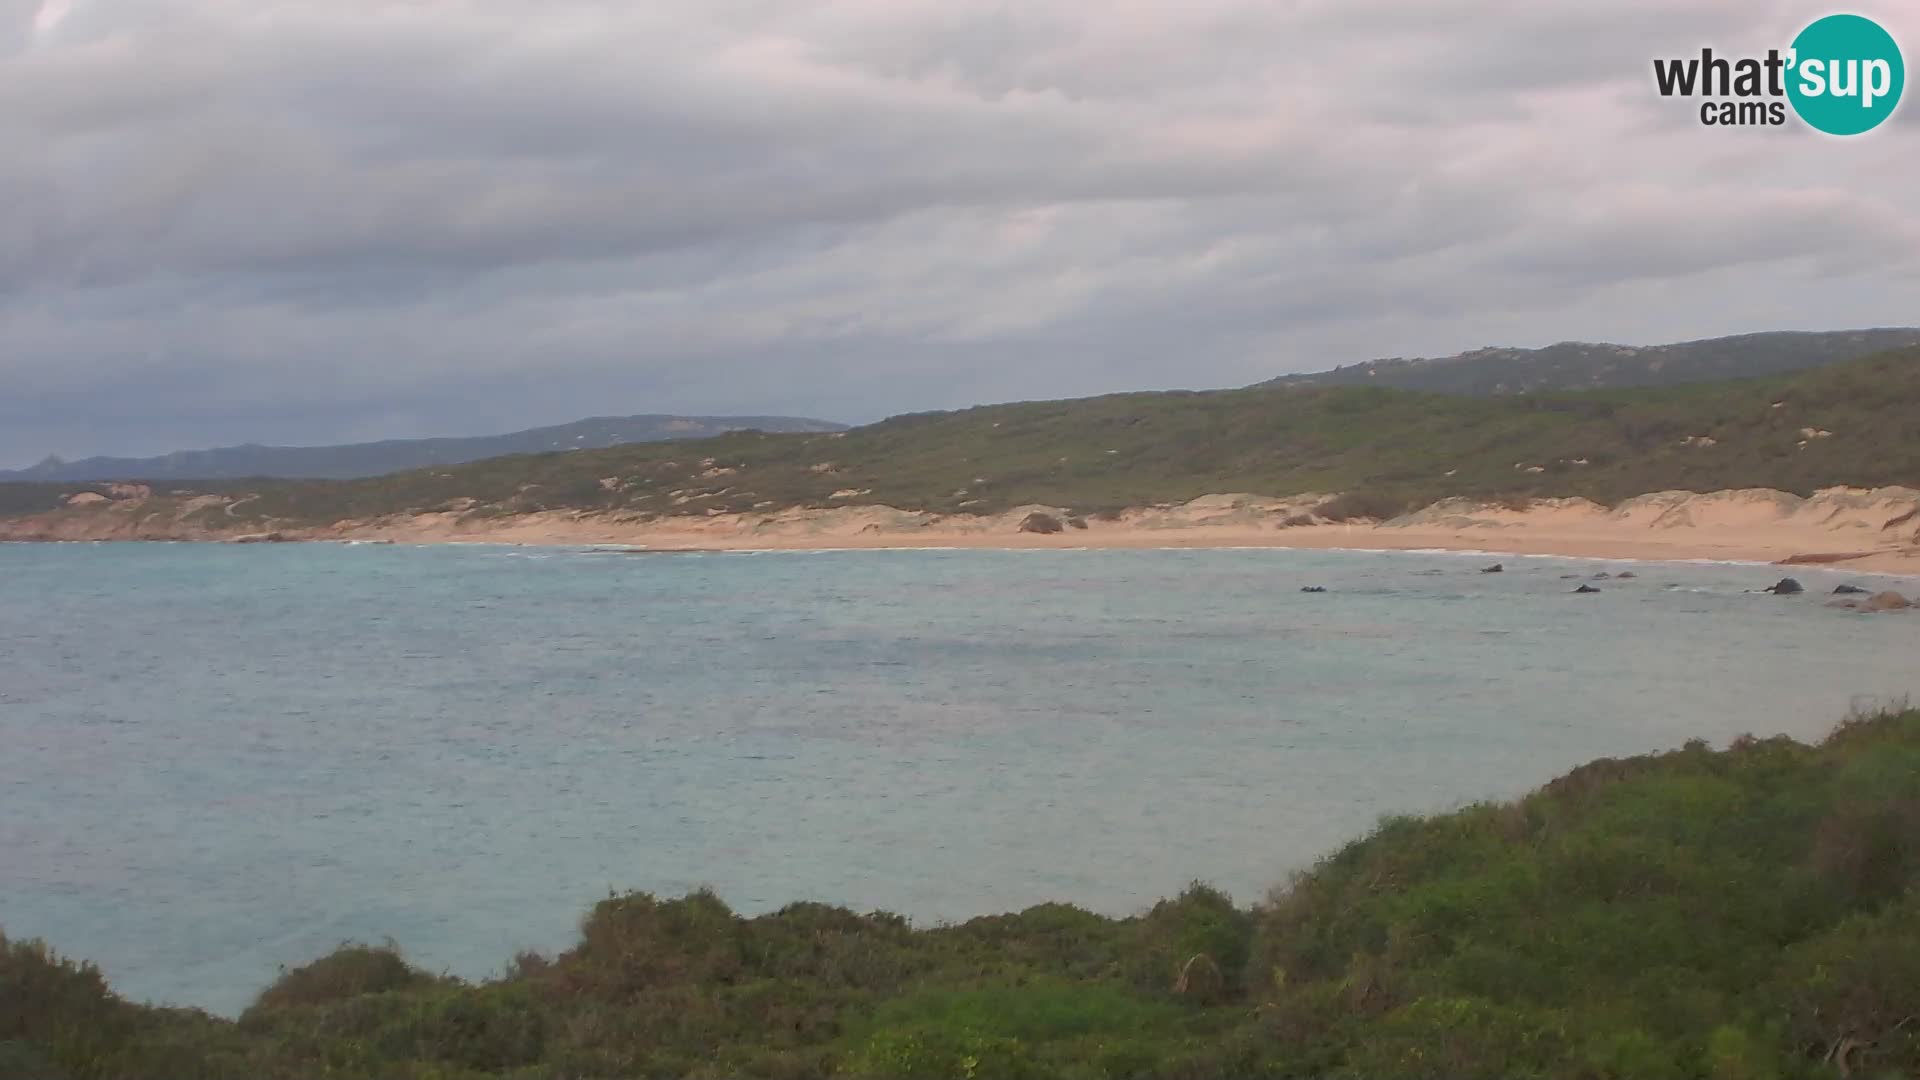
x=1877, y=529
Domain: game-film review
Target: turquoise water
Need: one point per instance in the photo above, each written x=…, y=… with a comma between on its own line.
x=215, y=760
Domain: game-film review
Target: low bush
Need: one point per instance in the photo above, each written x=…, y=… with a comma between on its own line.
x=1746, y=913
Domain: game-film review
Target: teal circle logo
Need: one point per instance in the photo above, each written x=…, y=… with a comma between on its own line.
x=1846, y=74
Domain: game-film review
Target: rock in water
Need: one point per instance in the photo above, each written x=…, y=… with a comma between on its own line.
x=1888, y=601
x=1848, y=590
x=1625, y=574
x=1313, y=588
x=1585, y=589
x=1496, y=568
x=1786, y=586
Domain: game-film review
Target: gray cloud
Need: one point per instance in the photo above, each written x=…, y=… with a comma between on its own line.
x=224, y=220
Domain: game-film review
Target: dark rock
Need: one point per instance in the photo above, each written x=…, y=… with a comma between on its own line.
x=1602, y=576
x=1038, y=522
x=1625, y=575
x=1569, y=577
x=1585, y=589
x=1496, y=568
x=1849, y=590
x=1313, y=588
x=1076, y=523
x=1786, y=586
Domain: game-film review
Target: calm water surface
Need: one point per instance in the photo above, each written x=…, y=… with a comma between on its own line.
x=215, y=760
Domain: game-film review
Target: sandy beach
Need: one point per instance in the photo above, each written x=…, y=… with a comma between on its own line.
x=1849, y=528
x=1869, y=530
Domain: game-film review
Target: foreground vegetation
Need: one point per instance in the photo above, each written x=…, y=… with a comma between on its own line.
x=1735, y=915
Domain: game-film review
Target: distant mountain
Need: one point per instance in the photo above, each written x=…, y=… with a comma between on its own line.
x=1577, y=365
x=395, y=455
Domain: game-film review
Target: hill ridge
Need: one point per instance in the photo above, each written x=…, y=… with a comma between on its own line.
x=1587, y=365
x=344, y=461
x=1383, y=450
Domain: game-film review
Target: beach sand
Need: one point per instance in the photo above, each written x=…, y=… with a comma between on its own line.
x=1869, y=530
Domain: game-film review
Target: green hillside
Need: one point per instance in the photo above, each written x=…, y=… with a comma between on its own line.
x=1748, y=913
x=1134, y=449
x=1393, y=449
x=1581, y=365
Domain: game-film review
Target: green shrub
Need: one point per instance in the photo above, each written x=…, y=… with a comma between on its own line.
x=930, y=1052
x=1852, y=994
x=1195, y=946
x=1459, y=1038
x=1736, y=915
x=349, y=971
x=1733, y=1053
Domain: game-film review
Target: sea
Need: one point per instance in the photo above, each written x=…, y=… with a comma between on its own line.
x=217, y=761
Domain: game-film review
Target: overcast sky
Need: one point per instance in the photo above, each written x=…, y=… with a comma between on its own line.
x=330, y=220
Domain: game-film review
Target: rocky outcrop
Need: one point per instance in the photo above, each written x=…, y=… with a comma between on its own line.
x=1464, y=513
x=1786, y=586
x=152, y=518
x=1234, y=509
x=1880, y=601
x=1044, y=524
x=1871, y=516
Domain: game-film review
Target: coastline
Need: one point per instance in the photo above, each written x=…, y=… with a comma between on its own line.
x=1875, y=530
x=1681, y=547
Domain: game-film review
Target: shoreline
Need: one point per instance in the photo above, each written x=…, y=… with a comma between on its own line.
x=1901, y=566
x=1902, y=563
x=1875, y=531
